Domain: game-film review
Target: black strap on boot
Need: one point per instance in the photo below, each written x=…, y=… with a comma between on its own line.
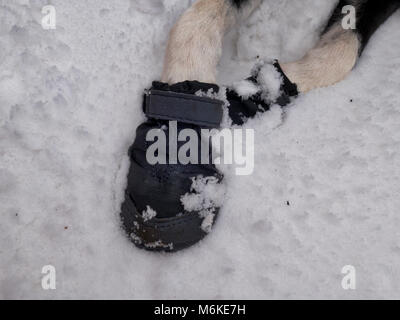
x=183, y=107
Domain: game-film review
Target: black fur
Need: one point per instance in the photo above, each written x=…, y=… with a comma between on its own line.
x=238, y=3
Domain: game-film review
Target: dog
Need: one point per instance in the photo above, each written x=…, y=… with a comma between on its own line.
x=195, y=43
x=153, y=212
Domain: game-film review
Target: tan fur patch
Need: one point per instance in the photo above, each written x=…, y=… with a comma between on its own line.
x=195, y=44
x=328, y=63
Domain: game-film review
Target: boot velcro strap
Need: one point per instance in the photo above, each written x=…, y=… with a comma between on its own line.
x=187, y=108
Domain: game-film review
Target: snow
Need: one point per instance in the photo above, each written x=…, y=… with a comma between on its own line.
x=245, y=88
x=206, y=194
x=324, y=193
x=149, y=214
x=270, y=80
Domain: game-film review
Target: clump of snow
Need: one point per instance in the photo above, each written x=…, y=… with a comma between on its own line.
x=205, y=193
x=149, y=214
x=270, y=81
x=210, y=93
x=245, y=88
x=136, y=239
x=205, y=196
x=208, y=216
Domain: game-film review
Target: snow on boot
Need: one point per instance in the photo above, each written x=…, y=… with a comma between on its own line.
x=267, y=85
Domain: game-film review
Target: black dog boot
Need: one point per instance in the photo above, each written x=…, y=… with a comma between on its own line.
x=170, y=205
x=267, y=85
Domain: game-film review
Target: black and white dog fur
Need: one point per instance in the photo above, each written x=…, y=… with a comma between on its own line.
x=195, y=43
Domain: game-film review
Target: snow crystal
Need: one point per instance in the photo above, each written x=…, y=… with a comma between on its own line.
x=270, y=80
x=208, y=219
x=159, y=244
x=269, y=83
x=136, y=239
x=149, y=214
x=206, y=194
x=245, y=88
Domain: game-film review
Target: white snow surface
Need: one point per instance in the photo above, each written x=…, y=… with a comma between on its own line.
x=324, y=193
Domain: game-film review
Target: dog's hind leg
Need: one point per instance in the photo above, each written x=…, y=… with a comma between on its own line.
x=339, y=49
x=195, y=43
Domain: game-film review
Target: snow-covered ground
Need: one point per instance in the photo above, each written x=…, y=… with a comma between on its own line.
x=325, y=192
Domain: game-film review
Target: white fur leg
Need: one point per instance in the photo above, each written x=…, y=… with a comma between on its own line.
x=195, y=43
x=328, y=63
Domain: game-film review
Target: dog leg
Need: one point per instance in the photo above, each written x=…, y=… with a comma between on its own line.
x=195, y=43
x=338, y=50
x=329, y=62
